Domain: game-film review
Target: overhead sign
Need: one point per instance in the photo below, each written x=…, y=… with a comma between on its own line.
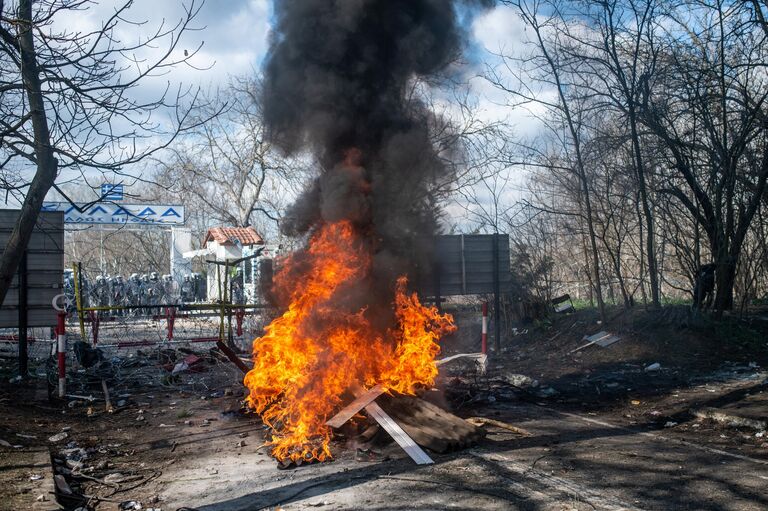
x=111, y=191
x=116, y=214
x=469, y=264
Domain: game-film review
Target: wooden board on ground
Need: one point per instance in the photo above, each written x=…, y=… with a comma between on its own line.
x=429, y=425
x=355, y=406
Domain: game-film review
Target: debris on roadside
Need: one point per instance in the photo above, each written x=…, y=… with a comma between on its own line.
x=58, y=437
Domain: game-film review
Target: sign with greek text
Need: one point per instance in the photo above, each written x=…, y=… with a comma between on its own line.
x=103, y=213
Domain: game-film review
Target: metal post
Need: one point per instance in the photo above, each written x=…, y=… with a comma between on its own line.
x=95, y=322
x=438, y=291
x=496, y=292
x=170, y=318
x=23, y=305
x=78, y=269
x=484, y=334
x=62, y=352
x=221, y=304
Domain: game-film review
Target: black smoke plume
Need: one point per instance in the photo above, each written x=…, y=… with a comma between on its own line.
x=338, y=82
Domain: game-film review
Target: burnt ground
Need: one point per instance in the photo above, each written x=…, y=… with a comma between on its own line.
x=605, y=433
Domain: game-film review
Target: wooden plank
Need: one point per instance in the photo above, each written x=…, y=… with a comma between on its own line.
x=355, y=406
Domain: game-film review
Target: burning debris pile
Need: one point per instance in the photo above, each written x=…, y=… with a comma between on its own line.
x=338, y=82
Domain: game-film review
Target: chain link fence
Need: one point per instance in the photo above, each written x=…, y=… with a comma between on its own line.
x=129, y=331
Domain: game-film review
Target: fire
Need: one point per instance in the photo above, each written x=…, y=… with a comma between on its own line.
x=324, y=343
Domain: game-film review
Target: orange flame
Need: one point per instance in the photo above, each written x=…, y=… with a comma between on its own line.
x=318, y=349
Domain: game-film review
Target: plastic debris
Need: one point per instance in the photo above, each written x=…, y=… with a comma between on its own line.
x=58, y=437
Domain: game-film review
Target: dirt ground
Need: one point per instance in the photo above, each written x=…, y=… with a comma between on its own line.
x=605, y=431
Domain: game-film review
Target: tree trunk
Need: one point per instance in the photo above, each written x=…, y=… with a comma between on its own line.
x=653, y=273
x=725, y=278
x=45, y=174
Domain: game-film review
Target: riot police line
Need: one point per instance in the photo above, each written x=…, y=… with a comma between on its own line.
x=148, y=290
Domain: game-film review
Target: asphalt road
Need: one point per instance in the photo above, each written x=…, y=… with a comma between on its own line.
x=571, y=461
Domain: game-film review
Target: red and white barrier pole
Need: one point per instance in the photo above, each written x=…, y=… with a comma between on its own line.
x=95, y=321
x=170, y=316
x=61, y=341
x=484, y=335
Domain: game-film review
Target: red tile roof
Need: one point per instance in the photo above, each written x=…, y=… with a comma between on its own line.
x=228, y=235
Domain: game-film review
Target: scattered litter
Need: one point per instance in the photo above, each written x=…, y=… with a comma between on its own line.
x=480, y=358
x=114, y=477
x=58, y=437
x=241, y=443
x=243, y=435
x=499, y=424
x=369, y=455
x=653, y=367
x=129, y=505
x=519, y=380
x=319, y=503
x=74, y=464
x=760, y=434
x=190, y=363
x=26, y=436
x=602, y=339
x=635, y=402
x=670, y=424
x=41, y=498
x=35, y=477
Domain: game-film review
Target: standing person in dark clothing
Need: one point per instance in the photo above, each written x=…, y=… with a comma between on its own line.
x=704, y=287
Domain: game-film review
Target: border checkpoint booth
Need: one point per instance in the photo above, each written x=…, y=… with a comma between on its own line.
x=229, y=244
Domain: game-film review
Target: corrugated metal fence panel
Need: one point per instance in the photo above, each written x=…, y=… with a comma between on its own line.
x=45, y=268
x=465, y=265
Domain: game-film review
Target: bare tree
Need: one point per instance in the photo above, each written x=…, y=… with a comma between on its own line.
x=544, y=66
x=226, y=171
x=69, y=101
x=709, y=108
